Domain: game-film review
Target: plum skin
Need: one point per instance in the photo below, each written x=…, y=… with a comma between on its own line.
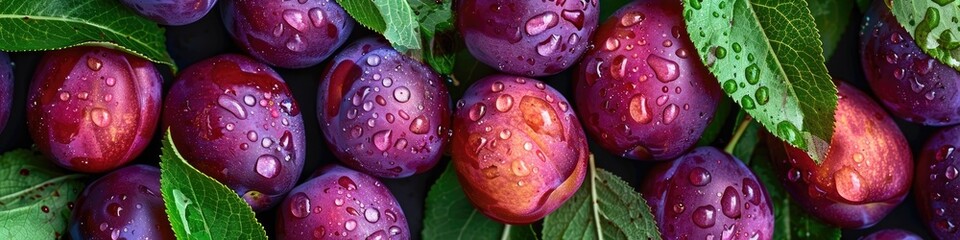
x=234, y=119
x=866, y=173
x=6, y=89
x=124, y=204
x=287, y=34
x=93, y=109
x=935, y=183
x=518, y=148
x=704, y=192
x=892, y=234
x=649, y=101
x=174, y=13
x=910, y=83
x=530, y=38
x=382, y=112
x=340, y=203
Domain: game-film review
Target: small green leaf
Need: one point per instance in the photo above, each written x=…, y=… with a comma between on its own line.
x=772, y=65
x=436, y=26
x=57, y=24
x=934, y=25
x=34, y=196
x=394, y=19
x=449, y=215
x=831, y=17
x=604, y=204
x=198, y=206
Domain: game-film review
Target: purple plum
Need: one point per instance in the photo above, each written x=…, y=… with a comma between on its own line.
x=892, y=234
x=124, y=204
x=935, y=186
x=171, y=12
x=6, y=89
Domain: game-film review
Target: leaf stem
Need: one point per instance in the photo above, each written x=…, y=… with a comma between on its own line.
x=593, y=197
x=42, y=184
x=506, y=232
x=739, y=133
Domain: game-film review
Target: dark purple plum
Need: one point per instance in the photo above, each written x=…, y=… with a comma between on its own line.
x=643, y=92
x=93, y=109
x=530, y=38
x=234, y=119
x=518, y=148
x=288, y=34
x=910, y=83
x=708, y=194
x=892, y=234
x=124, y=204
x=6, y=89
x=382, y=112
x=171, y=12
x=936, y=185
x=341, y=204
x=866, y=173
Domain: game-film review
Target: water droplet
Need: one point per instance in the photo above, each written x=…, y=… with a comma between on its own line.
x=505, y=134
x=296, y=44
x=64, y=96
x=751, y=191
x=114, y=209
x=504, y=102
x=100, y=117
x=944, y=152
x=699, y=176
x=232, y=106
x=704, y=216
x=753, y=74
x=372, y=215
x=382, y=140
x=94, y=63
x=730, y=203
x=850, y=185
x=496, y=87
x=373, y=60
x=295, y=19
x=730, y=86
x=420, y=125
x=252, y=136
x=300, y=205
x=573, y=16
x=678, y=208
x=401, y=94
x=477, y=111
x=338, y=202
x=542, y=22
x=670, y=113
x=394, y=230
x=951, y=172
x=631, y=18
x=793, y=174
x=611, y=44
x=747, y=102
x=350, y=225
x=347, y=183
x=665, y=70
x=316, y=17
x=491, y=172
x=520, y=168
x=549, y=45
x=762, y=95
x=790, y=133
x=268, y=166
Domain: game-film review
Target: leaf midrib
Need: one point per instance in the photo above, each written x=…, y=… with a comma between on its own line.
x=776, y=57
x=81, y=21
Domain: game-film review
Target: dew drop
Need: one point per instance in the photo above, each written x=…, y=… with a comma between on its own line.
x=94, y=63
x=296, y=44
x=704, y=216
x=549, y=46
x=350, y=225
x=573, y=16
x=347, y=183
x=373, y=60
x=699, y=176
x=504, y=102
x=753, y=74
x=631, y=18
x=401, y=94
x=951, y=172
x=520, y=168
x=944, y=153
x=665, y=70
x=100, y=117
x=730, y=203
x=420, y=125
x=232, y=106
x=850, y=185
x=382, y=140
x=540, y=23
x=316, y=17
x=477, y=111
x=670, y=113
x=268, y=166
x=300, y=205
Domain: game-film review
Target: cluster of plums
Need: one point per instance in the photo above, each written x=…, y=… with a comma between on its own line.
x=518, y=145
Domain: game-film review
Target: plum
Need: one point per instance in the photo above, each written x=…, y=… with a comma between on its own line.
x=6, y=89
x=910, y=83
x=935, y=189
x=288, y=34
x=531, y=38
x=892, y=234
x=234, y=119
x=643, y=92
x=171, y=12
x=708, y=193
x=518, y=148
x=341, y=204
x=382, y=112
x=866, y=173
x=124, y=204
x=93, y=109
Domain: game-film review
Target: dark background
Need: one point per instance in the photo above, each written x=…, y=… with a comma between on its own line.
x=207, y=38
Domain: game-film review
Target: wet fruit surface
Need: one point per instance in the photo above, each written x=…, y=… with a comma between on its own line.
x=910, y=83
x=642, y=91
x=518, y=148
x=892, y=234
x=341, y=204
x=6, y=89
x=93, y=109
x=936, y=185
x=531, y=38
x=865, y=175
x=383, y=113
x=124, y=204
x=708, y=194
x=235, y=120
x=289, y=34
x=171, y=12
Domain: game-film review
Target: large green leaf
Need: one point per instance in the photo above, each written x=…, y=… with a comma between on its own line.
x=394, y=19
x=767, y=56
x=57, y=24
x=831, y=17
x=35, y=196
x=935, y=25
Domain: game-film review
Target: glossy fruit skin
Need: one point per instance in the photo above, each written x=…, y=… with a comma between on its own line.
x=124, y=204
x=93, y=109
x=708, y=193
x=341, y=203
x=518, y=148
x=234, y=119
x=6, y=89
x=866, y=173
x=382, y=112
x=171, y=12
x=892, y=234
x=642, y=91
x=935, y=184
x=288, y=34
x=530, y=38
x=910, y=83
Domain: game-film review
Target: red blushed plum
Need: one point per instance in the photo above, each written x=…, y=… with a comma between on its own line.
x=93, y=109
x=866, y=173
x=235, y=120
x=708, y=193
x=383, y=113
x=289, y=34
x=341, y=204
x=643, y=92
x=518, y=148
x=531, y=38
x=124, y=204
x=910, y=83
x=6, y=89
x=171, y=12
x=892, y=234
x=936, y=186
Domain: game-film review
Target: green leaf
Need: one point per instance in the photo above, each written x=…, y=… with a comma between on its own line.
x=748, y=142
x=57, y=24
x=934, y=25
x=864, y=5
x=831, y=17
x=436, y=26
x=604, y=204
x=34, y=196
x=394, y=19
x=716, y=125
x=198, y=206
x=449, y=215
x=467, y=71
x=768, y=58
